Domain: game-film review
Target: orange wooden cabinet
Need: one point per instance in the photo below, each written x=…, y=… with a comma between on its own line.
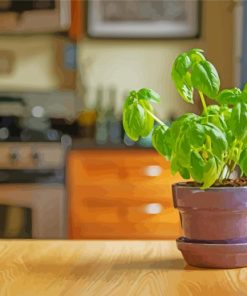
x=120, y=194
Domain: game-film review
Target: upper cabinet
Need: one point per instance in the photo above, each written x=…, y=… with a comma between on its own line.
x=41, y=16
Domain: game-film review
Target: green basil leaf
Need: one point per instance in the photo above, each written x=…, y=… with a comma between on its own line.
x=218, y=120
x=182, y=64
x=175, y=167
x=146, y=105
x=205, y=78
x=129, y=101
x=243, y=162
x=174, y=164
x=238, y=121
x=183, y=150
x=212, y=110
x=136, y=121
x=230, y=96
x=148, y=122
x=197, y=135
x=180, y=121
x=211, y=172
x=178, y=125
x=133, y=120
x=245, y=88
x=230, y=137
x=161, y=140
x=148, y=94
x=184, y=172
x=182, y=78
x=226, y=113
x=197, y=166
x=215, y=115
x=219, y=142
x=184, y=86
x=244, y=97
x=196, y=55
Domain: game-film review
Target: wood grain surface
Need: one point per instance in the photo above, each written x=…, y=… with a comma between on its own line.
x=104, y=268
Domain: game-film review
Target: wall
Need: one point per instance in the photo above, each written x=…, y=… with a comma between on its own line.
x=135, y=64
x=125, y=64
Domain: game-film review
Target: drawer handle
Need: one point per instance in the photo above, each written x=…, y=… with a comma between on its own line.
x=153, y=170
x=153, y=208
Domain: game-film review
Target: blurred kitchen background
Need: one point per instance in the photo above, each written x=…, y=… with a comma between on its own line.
x=67, y=170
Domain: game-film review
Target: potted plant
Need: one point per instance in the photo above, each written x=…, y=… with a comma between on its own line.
x=205, y=148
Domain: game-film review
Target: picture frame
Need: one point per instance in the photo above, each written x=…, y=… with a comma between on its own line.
x=143, y=19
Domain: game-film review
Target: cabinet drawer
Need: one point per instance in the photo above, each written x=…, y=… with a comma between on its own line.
x=121, y=220
x=93, y=167
x=152, y=213
x=126, y=231
x=146, y=167
x=126, y=193
x=151, y=174
x=110, y=212
x=107, y=167
x=100, y=231
x=97, y=214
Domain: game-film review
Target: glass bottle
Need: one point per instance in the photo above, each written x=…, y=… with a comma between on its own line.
x=101, y=132
x=113, y=122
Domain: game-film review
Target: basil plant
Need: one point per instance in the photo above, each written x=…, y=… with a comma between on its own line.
x=205, y=147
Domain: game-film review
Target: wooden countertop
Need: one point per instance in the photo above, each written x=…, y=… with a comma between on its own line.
x=108, y=268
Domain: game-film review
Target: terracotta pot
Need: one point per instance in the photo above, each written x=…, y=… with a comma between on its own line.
x=218, y=213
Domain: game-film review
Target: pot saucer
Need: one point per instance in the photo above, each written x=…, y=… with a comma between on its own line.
x=213, y=255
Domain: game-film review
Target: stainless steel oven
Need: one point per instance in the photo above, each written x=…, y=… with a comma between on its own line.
x=32, y=190
x=33, y=201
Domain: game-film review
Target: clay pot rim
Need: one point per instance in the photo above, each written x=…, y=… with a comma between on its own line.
x=213, y=188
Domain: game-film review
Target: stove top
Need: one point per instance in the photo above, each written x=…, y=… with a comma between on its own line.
x=15, y=134
x=27, y=126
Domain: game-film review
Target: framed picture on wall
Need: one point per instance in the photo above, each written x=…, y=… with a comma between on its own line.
x=143, y=18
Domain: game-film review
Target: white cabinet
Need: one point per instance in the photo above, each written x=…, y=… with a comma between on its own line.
x=34, y=16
